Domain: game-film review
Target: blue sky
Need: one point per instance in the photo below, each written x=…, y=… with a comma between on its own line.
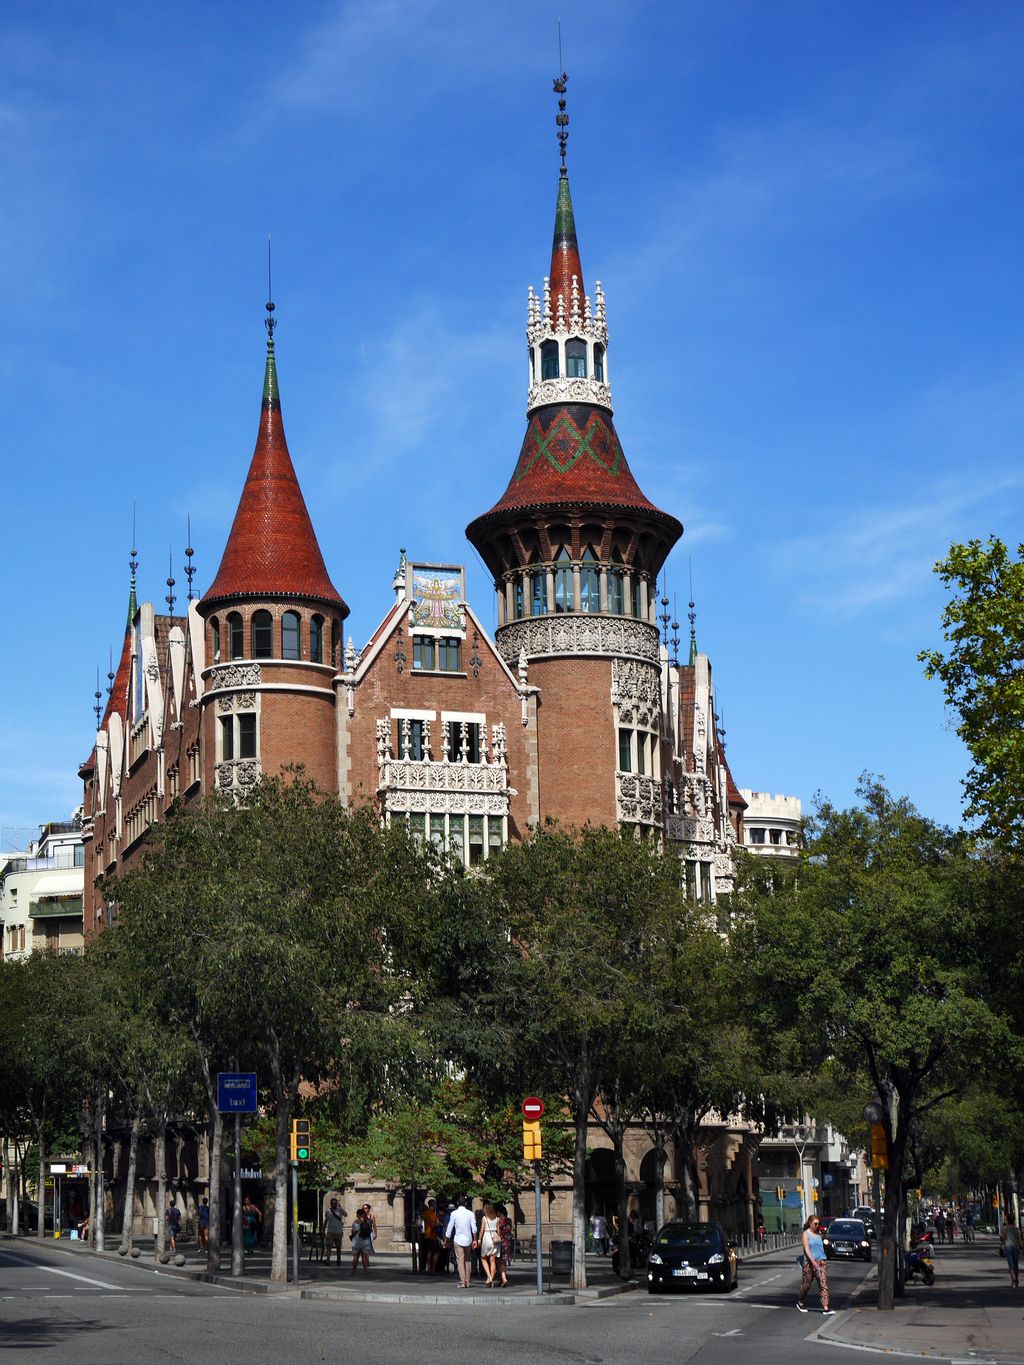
x=807, y=217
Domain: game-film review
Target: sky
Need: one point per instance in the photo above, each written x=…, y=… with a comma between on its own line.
x=807, y=219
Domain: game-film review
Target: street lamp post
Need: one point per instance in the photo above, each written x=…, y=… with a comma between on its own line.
x=801, y=1134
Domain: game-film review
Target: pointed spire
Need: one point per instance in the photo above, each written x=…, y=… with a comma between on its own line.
x=133, y=565
x=565, y=251
x=692, y=615
x=119, y=682
x=272, y=549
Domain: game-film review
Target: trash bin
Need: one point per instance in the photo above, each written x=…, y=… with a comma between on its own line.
x=561, y=1258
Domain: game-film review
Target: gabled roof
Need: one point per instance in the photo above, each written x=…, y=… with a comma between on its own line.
x=272, y=550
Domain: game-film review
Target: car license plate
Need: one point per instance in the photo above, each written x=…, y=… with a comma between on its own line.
x=687, y=1271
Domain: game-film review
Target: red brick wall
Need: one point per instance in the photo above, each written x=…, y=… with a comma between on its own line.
x=578, y=746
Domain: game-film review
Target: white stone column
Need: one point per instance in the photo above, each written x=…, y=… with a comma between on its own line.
x=549, y=575
x=602, y=596
x=576, y=600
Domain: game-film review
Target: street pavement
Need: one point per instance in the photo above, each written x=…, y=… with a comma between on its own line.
x=67, y=1304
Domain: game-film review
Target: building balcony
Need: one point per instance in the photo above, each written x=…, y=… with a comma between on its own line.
x=639, y=799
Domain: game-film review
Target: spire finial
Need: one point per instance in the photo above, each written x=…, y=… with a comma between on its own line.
x=98, y=707
x=271, y=321
x=692, y=617
x=170, y=599
x=190, y=568
x=110, y=669
x=133, y=567
x=561, y=118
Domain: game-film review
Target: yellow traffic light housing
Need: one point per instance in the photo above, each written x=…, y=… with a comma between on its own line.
x=533, y=1148
x=879, y=1148
x=300, y=1140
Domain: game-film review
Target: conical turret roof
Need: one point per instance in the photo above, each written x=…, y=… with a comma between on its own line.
x=272, y=550
x=565, y=251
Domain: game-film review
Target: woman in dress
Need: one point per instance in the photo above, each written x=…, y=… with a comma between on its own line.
x=505, y=1241
x=490, y=1243
x=361, y=1238
x=251, y=1220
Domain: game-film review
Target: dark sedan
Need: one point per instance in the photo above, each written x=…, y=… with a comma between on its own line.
x=847, y=1239
x=687, y=1255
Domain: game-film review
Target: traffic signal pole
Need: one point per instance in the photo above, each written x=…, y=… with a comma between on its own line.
x=295, y=1222
x=537, y=1220
x=237, y=1254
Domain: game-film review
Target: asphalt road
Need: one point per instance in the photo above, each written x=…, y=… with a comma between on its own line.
x=66, y=1307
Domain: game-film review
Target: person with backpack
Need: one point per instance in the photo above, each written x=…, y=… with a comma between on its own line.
x=173, y=1225
x=361, y=1238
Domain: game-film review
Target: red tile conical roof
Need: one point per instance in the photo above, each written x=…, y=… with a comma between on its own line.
x=272, y=550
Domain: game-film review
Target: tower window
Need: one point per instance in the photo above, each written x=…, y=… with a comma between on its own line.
x=227, y=737
x=599, y=363
x=616, y=590
x=549, y=360
x=517, y=598
x=335, y=643
x=637, y=602
x=291, y=636
x=538, y=593
x=316, y=640
x=215, y=638
x=236, y=636
x=576, y=358
x=563, y=581
x=262, y=635
x=625, y=752
x=590, y=582
x=247, y=735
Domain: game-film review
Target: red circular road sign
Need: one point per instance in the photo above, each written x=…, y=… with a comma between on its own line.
x=532, y=1107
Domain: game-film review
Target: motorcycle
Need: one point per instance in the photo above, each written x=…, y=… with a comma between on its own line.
x=919, y=1263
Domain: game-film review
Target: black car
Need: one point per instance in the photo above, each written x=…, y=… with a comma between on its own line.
x=847, y=1239
x=691, y=1255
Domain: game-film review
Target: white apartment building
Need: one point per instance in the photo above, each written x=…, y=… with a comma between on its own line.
x=41, y=892
x=772, y=825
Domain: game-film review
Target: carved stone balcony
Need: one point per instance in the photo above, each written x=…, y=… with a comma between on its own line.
x=563, y=633
x=639, y=799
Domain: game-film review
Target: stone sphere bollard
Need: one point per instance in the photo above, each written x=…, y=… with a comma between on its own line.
x=136, y=1253
x=179, y=1259
x=122, y=1251
x=165, y=1258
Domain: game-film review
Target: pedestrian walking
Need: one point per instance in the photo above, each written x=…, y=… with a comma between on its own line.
x=815, y=1266
x=969, y=1227
x=490, y=1244
x=333, y=1230
x=461, y=1232
x=431, y=1245
x=506, y=1237
x=599, y=1227
x=252, y=1221
x=203, y=1223
x=173, y=1225
x=1009, y=1246
x=361, y=1238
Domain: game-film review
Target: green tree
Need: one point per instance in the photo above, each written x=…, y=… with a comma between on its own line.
x=875, y=962
x=982, y=672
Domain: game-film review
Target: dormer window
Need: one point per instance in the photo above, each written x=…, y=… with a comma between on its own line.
x=262, y=635
x=549, y=360
x=575, y=358
x=599, y=363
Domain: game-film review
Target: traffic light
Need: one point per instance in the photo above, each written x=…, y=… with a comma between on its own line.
x=300, y=1139
x=533, y=1148
x=779, y=1193
x=879, y=1148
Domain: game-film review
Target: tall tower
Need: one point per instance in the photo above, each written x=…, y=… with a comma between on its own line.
x=272, y=626
x=575, y=549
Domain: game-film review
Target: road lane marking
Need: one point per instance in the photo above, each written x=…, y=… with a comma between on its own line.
x=52, y=1270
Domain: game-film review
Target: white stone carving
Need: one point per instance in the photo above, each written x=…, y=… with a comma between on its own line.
x=459, y=788
x=686, y=829
x=636, y=692
x=700, y=738
x=577, y=390
x=639, y=799
x=565, y=633
x=235, y=675
x=238, y=775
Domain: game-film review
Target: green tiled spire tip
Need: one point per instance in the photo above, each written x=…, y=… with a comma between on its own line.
x=270, y=393
x=565, y=224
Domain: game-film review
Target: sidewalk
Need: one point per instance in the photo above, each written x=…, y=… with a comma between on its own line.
x=970, y=1313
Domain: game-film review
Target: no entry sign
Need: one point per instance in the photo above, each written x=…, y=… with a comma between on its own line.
x=532, y=1107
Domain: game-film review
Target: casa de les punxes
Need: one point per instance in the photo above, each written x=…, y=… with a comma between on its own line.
x=578, y=707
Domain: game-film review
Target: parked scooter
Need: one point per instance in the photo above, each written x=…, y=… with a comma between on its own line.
x=918, y=1263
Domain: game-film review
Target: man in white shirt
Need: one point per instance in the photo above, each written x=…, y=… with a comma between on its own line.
x=461, y=1231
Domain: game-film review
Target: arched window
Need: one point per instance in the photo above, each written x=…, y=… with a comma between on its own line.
x=575, y=358
x=563, y=581
x=215, y=638
x=335, y=639
x=538, y=592
x=599, y=363
x=237, y=638
x=291, y=636
x=262, y=635
x=316, y=640
x=616, y=588
x=549, y=360
x=590, y=582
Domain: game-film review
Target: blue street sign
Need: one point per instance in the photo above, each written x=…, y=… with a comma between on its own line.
x=236, y=1092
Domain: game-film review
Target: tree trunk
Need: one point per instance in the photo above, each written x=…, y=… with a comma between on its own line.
x=660, y=1159
x=893, y=1183
x=413, y=1229
x=41, y=1197
x=160, y=1152
x=279, y=1254
x=128, y=1218
x=213, y=1190
x=101, y=1210
x=622, y=1206
x=579, y=1182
